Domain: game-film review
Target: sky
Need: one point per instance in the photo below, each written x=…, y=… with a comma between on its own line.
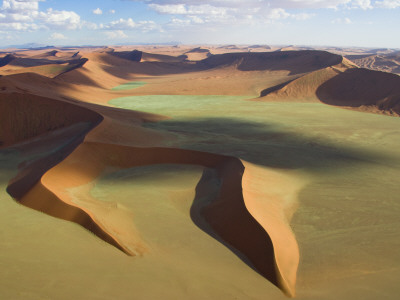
x=343, y=23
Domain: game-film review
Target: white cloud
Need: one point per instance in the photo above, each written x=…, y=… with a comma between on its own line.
x=18, y=14
x=226, y=12
x=363, y=4
x=180, y=22
x=24, y=15
x=116, y=34
x=19, y=26
x=7, y=36
x=196, y=20
x=342, y=21
x=20, y=6
x=97, y=11
x=181, y=6
x=121, y=24
x=60, y=19
x=57, y=36
x=181, y=9
x=302, y=16
x=347, y=21
x=391, y=4
x=172, y=9
x=277, y=14
x=129, y=24
x=89, y=25
x=285, y=4
x=112, y=11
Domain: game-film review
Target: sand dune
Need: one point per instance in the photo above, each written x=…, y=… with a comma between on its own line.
x=228, y=216
x=300, y=89
x=197, y=54
x=361, y=87
x=387, y=62
x=295, y=62
x=25, y=116
x=7, y=59
x=45, y=184
x=49, y=65
x=67, y=137
x=342, y=85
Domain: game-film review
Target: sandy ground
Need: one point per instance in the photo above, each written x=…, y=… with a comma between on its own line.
x=227, y=176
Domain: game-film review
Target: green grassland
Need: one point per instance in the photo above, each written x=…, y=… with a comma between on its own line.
x=129, y=86
x=347, y=222
x=348, y=215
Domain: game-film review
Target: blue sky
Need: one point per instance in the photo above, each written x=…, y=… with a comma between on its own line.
x=363, y=23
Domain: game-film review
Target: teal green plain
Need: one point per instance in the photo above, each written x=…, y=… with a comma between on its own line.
x=351, y=158
x=129, y=86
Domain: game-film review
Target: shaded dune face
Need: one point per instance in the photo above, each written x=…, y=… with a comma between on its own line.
x=38, y=61
x=24, y=116
x=295, y=62
x=7, y=59
x=357, y=87
x=49, y=64
x=342, y=85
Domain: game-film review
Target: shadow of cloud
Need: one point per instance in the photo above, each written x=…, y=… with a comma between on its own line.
x=218, y=208
x=265, y=144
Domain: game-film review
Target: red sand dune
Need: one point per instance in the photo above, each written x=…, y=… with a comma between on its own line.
x=60, y=171
x=78, y=141
x=342, y=85
x=294, y=61
x=387, y=62
x=227, y=214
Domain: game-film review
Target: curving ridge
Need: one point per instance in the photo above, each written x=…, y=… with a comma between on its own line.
x=227, y=214
x=49, y=185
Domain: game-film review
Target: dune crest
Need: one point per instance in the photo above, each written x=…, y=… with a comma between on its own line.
x=63, y=192
x=271, y=198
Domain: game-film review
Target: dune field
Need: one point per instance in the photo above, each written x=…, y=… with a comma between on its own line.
x=187, y=172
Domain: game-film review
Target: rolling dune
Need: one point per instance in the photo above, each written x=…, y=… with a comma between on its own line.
x=227, y=215
x=68, y=139
x=46, y=185
x=387, y=62
x=342, y=85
